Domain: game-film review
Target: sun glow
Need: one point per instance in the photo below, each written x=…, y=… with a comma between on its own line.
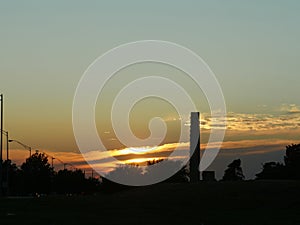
x=135, y=150
x=140, y=161
x=141, y=150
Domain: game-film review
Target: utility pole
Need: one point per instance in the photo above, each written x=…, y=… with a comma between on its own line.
x=1, y=145
x=7, y=148
x=7, y=164
x=5, y=181
x=52, y=159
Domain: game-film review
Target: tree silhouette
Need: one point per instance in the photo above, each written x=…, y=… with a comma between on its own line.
x=11, y=177
x=154, y=161
x=290, y=169
x=132, y=172
x=272, y=170
x=37, y=174
x=234, y=171
x=74, y=182
x=126, y=173
x=292, y=161
x=181, y=176
x=122, y=173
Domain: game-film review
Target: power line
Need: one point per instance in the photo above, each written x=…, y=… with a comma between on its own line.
x=62, y=162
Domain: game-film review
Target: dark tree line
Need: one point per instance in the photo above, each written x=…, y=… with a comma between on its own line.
x=36, y=176
x=290, y=169
x=134, y=171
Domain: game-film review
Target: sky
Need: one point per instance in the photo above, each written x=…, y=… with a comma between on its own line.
x=251, y=46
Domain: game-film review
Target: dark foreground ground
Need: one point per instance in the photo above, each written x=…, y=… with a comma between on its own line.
x=240, y=203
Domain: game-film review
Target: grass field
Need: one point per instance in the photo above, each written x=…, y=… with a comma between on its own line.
x=232, y=203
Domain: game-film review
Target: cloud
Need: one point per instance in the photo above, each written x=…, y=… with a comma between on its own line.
x=271, y=132
x=245, y=147
x=290, y=108
x=254, y=147
x=252, y=122
x=103, y=159
x=287, y=117
x=18, y=156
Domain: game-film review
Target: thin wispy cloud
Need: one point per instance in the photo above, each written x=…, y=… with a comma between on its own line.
x=245, y=147
x=290, y=108
x=104, y=160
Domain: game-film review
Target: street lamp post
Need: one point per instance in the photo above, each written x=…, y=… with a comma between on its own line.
x=7, y=162
x=1, y=143
x=7, y=140
x=25, y=146
x=64, y=164
x=52, y=159
x=71, y=165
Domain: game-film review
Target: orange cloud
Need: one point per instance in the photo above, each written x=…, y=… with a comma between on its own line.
x=103, y=158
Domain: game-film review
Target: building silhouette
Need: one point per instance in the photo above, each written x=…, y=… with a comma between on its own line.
x=194, y=147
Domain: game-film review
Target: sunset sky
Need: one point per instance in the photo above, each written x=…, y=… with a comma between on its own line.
x=251, y=46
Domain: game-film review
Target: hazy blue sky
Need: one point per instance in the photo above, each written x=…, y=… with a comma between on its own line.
x=45, y=46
